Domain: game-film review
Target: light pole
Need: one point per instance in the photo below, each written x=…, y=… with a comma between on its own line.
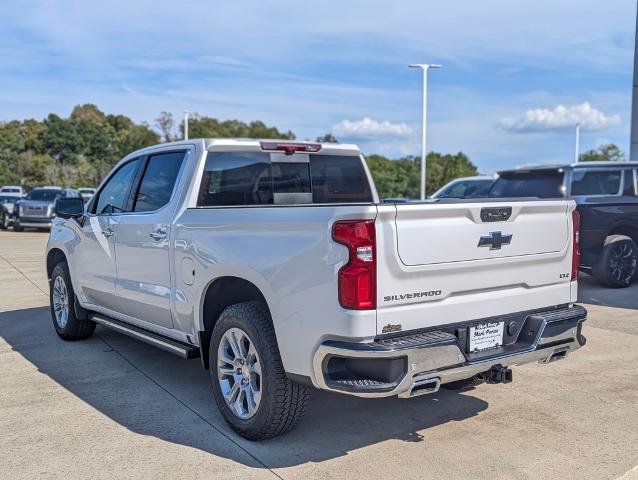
x=424, y=67
x=185, y=124
x=633, y=152
x=577, y=152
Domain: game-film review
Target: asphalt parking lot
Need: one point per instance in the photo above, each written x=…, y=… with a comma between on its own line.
x=111, y=407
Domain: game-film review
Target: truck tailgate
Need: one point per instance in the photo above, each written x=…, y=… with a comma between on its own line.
x=451, y=233
x=441, y=263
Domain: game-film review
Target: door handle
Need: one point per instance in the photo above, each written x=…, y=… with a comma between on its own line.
x=107, y=232
x=158, y=234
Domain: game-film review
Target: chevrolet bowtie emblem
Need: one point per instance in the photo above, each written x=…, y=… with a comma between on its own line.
x=495, y=240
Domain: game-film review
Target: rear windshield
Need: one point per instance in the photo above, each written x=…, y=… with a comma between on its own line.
x=250, y=178
x=544, y=184
x=45, y=194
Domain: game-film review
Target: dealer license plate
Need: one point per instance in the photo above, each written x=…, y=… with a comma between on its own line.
x=485, y=336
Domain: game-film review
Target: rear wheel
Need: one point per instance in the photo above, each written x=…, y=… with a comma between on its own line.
x=617, y=266
x=62, y=298
x=250, y=386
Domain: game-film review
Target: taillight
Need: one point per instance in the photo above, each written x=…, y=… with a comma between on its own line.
x=576, y=244
x=357, y=278
x=290, y=147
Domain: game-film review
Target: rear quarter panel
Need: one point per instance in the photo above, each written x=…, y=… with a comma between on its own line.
x=288, y=253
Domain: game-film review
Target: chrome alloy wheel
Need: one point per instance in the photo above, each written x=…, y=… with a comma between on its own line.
x=239, y=373
x=60, y=302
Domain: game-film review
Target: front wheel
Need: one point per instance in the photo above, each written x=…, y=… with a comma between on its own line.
x=62, y=299
x=617, y=266
x=17, y=227
x=250, y=386
x=4, y=221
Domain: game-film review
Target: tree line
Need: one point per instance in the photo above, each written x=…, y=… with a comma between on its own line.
x=80, y=150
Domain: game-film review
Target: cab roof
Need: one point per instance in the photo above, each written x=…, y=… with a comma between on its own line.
x=568, y=166
x=255, y=144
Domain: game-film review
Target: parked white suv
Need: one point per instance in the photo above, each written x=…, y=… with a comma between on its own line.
x=277, y=264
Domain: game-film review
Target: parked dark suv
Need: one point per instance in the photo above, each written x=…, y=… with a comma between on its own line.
x=607, y=198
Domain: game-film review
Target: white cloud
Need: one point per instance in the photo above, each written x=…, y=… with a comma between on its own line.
x=561, y=117
x=368, y=128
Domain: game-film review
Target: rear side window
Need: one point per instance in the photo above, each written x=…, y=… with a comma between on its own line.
x=250, y=178
x=529, y=184
x=236, y=178
x=595, y=182
x=158, y=181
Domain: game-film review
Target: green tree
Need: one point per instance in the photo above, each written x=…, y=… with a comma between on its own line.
x=327, y=138
x=74, y=151
x=401, y=178
x=210, y=127
x=606, y=153
x=165, y=123
x=81, y=149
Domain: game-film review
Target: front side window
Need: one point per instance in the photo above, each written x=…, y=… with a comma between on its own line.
x=595, y=182
x=113, y=197
x=158, y=181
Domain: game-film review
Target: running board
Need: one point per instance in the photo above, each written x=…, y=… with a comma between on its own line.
x=176, y=347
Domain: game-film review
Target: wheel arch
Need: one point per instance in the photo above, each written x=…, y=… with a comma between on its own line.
x=630, y=231
x=54, y=256
x=219, y=294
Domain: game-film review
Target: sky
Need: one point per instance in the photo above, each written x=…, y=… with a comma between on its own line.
x=516, y=76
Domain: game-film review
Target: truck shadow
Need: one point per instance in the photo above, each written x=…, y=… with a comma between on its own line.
x=151, y=392
x=589, y=291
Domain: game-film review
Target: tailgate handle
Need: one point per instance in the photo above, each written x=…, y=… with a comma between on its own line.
x=496, y=214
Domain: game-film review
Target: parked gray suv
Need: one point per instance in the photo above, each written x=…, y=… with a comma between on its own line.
x=38, y=208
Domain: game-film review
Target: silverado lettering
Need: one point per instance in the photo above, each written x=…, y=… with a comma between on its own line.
x=409, y=296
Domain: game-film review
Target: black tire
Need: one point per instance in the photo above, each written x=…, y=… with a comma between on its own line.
x=617, y=266
x=17, y=227
x=73, y=328
x=283, y=402
x=4, y=221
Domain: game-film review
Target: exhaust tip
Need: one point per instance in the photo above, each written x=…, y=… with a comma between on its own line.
x=424, y=387
x=557, y=355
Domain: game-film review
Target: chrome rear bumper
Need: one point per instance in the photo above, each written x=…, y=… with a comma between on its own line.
x=436, y=357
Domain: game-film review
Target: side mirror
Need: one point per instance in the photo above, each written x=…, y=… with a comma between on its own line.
x=71, y=207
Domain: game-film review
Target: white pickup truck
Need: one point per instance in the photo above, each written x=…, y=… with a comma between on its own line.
x=276, y=263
